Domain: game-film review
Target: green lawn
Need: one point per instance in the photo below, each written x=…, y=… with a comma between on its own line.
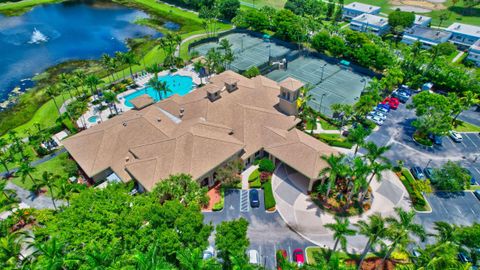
x=54, y=166
x=326, y=125
x=278, y=4
x=16, y=8
x=335, y=140
x=462, y=126
x=475, y=187
x=28, y=150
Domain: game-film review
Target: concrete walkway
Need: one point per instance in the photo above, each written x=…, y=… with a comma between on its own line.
x=246, y=174
x=307, y=219
x=319, y=129
x=32, y=201
x=455, y=59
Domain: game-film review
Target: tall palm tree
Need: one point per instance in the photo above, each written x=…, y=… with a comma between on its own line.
x=26, y=170
x=65, y=191
x=4, y=159
x=111, y=98
x=119, y=59
x=51, y=255
x=336, y=168
x=10, y=249
x=357, y=136
x=9, y=194
x=92, y=81
x=159, y=86
x=197, y=67
x=441, y=255
x=374, y=152
x=130, y=59
x=106, y=62
x=152, y=259
x=399, y=231
x=52, y=92
x=445, y=231
x=356, y=179
x=374, y=230
x=67, y=82
x=341, y=229
x=49, y=180
x=376, y=172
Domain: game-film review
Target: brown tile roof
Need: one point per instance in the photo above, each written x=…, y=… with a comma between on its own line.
x=142, y=101
x=159, y=140
x=291, y=84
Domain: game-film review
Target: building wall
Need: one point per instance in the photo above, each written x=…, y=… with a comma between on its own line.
x=348, y=14
x=361, y=27
x=463, y=40
x=474, y=56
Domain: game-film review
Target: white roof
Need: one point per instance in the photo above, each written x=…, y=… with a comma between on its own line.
x=465, y=29
x=419, y=19
x=361, y=7
x=476, y=46
x=370, y=19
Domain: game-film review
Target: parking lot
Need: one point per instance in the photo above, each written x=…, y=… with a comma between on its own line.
x=461, y=208
x=267, y=231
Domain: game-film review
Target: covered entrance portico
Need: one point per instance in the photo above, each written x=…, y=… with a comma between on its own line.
x=301, y=181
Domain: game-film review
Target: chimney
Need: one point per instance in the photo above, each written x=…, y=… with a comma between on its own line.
x=231, y=84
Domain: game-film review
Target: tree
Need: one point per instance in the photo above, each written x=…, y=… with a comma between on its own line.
x=399, y=231
x=374, y=154
x=52, y=92
x=152, y=259
x=111, y=99
x=130, y=59
x=305, y=7
x=228, y=8
x=228, y=175
x=159, y=86
x=463, y=103
x=251, y=72
x=10, y=250
x=4, y=160
x=193, y=259
x=336, y=168
x=357, y=136
x=252, y=19
x=180, y=187
x=404, y=19
x=441, y=255
x=92, y=81
x=49, y=180
x=26, y=170
x=106, y=61
x=65, y=191
x=231, y=240
x=341, y=229
x=433, y=113
x=374, y=230
x=51, y=255
x=451, y=177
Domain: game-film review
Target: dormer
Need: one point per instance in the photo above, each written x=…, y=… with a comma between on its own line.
x=213, y=91
x=231, y=84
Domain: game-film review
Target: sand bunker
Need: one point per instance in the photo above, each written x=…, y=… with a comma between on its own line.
x=420, y=6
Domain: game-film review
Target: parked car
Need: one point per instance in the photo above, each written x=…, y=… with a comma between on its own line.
x=254, y=200
x=473, y=181
x=392, y=102
x=281, y=255
x=379, y=114
x=386, y=106
x=477, y=194
x=376, y=119
x=405, y=89
x=209, y=253
x=464, y=257
x=401, y=96
x=382, y=109
x=429, y=174
x=417, y=173
x=436, y=139
x=253, y=257
x=298, y=257
x=456, y=137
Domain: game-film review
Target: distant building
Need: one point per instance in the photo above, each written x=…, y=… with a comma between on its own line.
x=474, y=53
x=355, y=9
x=422, y=20
x=370, y=23
x=427, y=36
x=464, y=35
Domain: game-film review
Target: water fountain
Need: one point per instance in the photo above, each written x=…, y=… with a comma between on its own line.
x=37, y=37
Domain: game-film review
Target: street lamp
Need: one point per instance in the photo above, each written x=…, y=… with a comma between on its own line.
x=428, y=163
x=242, y=41
x=269, y=46
x=323, y=69
x=321, y=101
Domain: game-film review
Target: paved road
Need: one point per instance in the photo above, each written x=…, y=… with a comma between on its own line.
x=267, y=231
x=471, y=116
x=33, y=201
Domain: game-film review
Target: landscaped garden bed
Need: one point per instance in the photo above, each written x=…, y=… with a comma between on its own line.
x=335, y=140
x=422, y=139
x=414, y=190
x=269, y=200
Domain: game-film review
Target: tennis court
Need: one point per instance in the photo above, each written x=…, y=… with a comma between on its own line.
x=332, y=83
x=249, y=51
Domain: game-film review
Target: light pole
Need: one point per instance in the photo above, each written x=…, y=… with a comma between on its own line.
x=428, y=163
x=323, y=69
x=242, y=41
x=269, y=51
x=321, y=101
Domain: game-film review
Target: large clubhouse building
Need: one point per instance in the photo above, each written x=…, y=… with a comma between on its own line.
x=231, y=117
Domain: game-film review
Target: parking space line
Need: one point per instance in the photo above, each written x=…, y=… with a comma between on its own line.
x=468, y=137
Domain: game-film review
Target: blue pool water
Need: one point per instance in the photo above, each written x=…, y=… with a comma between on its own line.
x=179, y=85
x=93, y=119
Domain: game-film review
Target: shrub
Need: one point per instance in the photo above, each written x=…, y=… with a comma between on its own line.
x=268, y=196
x=255, y=184
x=251, y=72
x=219, y=205
x=335, y=140
x=266, y=165
x=413, y=190
x=265, y=176
x=254, y=176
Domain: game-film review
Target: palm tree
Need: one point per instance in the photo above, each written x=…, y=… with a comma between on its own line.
x=442, y=255
x=374, y=230
x=340, y=231
x=130, y=59
x=10, y=249
x=25, y=169
x=4, y=159
x=92, y=81
x=51, y=255
x=65, y=190
x=80, y=78
x=111, y=98
x=152, y=259
x=67, y=82
x=154, y=69
x=445, y=231
x=198, y=66
x=357, y=136
x=376, y=172
x=49, y=180
x=119, y=59
x=52, y=92
x=193, y=259
x=373, y=154
x=98, y=258
x=356, y=179
x=106, y=61
x=336, y=168
x=159, y=86
x=399, y=231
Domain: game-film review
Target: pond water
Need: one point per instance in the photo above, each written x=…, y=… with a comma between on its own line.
x=51, y=34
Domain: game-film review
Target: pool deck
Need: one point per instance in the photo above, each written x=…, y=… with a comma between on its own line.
x=121, y=107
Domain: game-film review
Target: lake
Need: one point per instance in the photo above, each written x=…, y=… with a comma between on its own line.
x=51, y=34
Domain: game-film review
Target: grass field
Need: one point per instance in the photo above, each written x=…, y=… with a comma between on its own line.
x=16, y=8
x=278, y=4
x=462, y=126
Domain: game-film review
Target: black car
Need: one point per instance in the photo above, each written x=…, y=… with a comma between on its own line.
x=436, y=139
x=254, y=201
x=417, y=172
x=477, y=194
x=429, y=174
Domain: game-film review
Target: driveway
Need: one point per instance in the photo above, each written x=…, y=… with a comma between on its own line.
x=267, y=231
x=461, y=208
x=301, y=213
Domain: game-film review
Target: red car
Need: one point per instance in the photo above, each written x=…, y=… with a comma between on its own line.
x=281, y=257
x=392, y=102
x=298, y=257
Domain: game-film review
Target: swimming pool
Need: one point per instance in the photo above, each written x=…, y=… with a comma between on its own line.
x=180, y=85
x=93, y=119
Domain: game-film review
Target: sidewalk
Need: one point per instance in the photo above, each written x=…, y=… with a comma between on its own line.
x=246, y=174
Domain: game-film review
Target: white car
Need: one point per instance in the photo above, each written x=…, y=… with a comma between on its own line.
x=456, y=137
x=209, y=253
x=379, y=114
x=376, y=119
x=381, y=109
x=253, y=257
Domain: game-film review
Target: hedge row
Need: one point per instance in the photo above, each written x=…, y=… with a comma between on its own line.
x=219, y=205
x=335, y=140
x=419, y=202
x=269, y=200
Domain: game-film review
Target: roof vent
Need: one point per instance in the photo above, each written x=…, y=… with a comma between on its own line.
x=231, y=132
x=457, y=27
x=182, y=110
x=124, y=124
x=127, y=159
x=159, y=120
x=181, y=114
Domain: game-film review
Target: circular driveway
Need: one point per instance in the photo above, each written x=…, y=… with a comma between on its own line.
x=307, y=219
